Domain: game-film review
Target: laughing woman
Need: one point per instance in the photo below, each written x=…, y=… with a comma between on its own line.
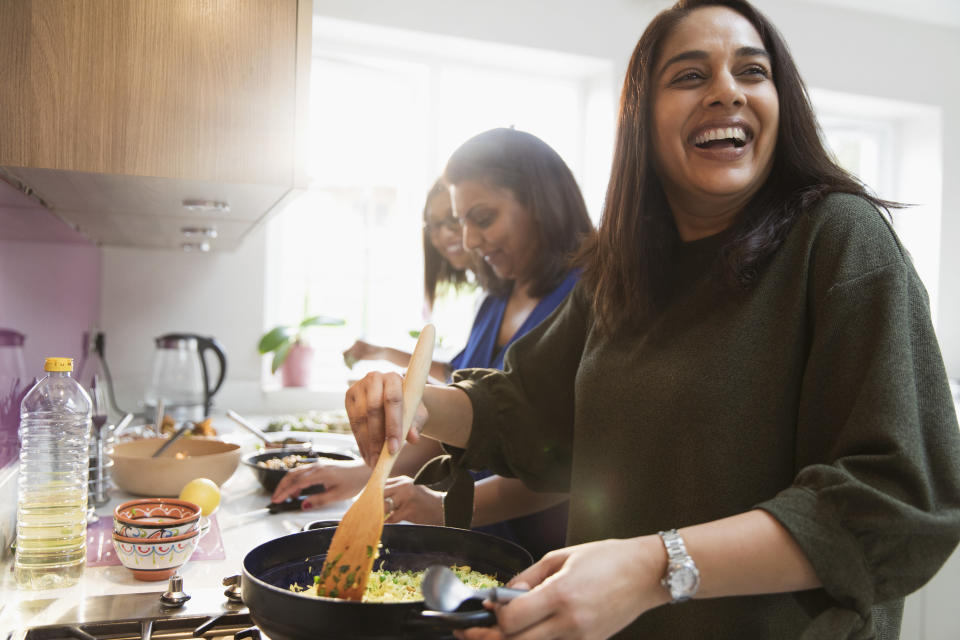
x=743, y=394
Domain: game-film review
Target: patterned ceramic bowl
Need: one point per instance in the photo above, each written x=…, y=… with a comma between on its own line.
x=150, y=518
x=156, y=558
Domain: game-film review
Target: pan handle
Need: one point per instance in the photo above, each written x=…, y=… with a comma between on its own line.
x=444, y=621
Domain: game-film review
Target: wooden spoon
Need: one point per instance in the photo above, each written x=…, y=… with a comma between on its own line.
x=354, y=545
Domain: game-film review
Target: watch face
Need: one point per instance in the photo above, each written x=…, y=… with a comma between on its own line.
x=683, y=580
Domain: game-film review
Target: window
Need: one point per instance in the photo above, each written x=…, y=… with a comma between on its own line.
x=895, y=148
x=387, y=109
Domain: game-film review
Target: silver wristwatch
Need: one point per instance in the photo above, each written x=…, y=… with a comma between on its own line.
x=682, y=578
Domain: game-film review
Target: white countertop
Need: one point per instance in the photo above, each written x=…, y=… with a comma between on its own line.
x=239, y=495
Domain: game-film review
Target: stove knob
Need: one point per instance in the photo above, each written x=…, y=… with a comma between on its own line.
x=174, y=596
x=232, y=591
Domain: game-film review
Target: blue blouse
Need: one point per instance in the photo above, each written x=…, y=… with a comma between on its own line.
x=481, y=351
x=545, y=530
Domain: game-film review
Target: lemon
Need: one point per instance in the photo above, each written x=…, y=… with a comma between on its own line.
x=202, y=492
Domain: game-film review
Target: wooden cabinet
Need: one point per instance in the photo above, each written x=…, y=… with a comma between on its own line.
x=115, y=112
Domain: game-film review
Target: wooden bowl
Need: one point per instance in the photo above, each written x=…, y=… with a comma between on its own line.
x=134, y=471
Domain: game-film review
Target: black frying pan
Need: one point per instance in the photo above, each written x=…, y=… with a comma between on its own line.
x=269, y=570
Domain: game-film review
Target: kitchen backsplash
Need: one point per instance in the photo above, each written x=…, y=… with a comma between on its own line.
x=49, y=292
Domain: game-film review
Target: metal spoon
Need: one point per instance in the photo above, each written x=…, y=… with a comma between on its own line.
x=443, y=590
x=176, y=436
x=240, y=420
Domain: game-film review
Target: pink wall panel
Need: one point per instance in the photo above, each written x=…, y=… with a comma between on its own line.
x=50, y=292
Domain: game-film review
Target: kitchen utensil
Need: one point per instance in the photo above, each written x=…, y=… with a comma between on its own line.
x=444, y=591
x=270, y=568
x=269, y=478
x=283, y=443
x=158, y=413
x=187, y=426
x=290, y=504
x=359, y=531
x=240, y=420
x=122, y=424
x=179, y=375
x=136, y=472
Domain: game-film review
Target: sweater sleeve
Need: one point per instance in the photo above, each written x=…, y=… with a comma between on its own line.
x=524, y=415
x=875, y=504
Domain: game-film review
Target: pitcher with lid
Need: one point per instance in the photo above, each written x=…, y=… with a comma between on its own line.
x=179, y=376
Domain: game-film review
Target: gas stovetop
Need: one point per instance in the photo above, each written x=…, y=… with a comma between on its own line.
x=206, y=613
x=170, y=615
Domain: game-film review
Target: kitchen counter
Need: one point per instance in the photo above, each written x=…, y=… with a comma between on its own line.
x=240, y=533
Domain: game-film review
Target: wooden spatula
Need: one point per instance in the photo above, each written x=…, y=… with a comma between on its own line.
x=354, y=545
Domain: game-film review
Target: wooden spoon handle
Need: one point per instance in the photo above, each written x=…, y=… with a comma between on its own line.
x=416, y=377
x=413, y=384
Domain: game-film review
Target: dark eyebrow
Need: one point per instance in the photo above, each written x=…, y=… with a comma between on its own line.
x=697, y=54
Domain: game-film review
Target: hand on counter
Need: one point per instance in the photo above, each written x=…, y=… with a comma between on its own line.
x=413, y=503
x=342, y=479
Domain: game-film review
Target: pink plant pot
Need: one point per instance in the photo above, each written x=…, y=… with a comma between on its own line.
x=296, y=369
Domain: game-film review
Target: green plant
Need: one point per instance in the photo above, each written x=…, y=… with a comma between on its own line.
x=281, y=339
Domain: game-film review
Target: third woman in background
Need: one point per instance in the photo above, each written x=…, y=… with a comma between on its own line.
x=446, y=264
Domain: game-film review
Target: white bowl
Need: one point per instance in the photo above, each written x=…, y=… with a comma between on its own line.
x=155, y=559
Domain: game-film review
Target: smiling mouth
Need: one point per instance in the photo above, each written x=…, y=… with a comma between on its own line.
x=723, y=137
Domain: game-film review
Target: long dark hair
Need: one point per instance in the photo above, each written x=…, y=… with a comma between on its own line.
x=540, y=181
x=437, y=270
x=626, y=264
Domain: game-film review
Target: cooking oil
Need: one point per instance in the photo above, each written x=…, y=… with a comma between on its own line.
x=52, y=499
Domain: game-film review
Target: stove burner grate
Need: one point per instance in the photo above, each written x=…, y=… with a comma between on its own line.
x=229, y=625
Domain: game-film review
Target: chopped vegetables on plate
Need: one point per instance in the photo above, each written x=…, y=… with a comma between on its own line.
x=312, y=421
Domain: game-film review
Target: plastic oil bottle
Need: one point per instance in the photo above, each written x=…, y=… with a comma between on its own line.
x=52, y=499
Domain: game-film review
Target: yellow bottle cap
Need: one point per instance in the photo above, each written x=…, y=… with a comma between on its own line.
x=58, y=364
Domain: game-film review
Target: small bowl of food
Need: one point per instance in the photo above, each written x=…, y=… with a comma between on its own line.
x=155, y=558
x=136, y=471
x=271, y=466
x=152, y=518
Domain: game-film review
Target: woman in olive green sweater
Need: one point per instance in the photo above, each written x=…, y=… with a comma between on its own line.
x=748, y=359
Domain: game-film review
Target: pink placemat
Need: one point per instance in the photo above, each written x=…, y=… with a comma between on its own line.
x=100, y=552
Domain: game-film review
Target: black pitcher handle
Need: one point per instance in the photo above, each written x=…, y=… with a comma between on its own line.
x=202, y=345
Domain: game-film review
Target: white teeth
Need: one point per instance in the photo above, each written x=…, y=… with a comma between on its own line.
x=735, y=133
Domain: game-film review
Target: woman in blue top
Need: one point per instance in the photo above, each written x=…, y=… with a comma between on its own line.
x=522, y=216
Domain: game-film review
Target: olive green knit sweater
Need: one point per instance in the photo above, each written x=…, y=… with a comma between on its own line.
x=820, y=396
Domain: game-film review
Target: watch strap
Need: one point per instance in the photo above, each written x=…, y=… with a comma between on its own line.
x=678, y=560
